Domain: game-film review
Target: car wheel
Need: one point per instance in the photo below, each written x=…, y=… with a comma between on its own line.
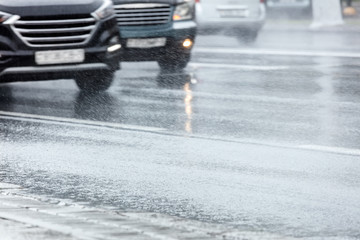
x=95, y=81
x=174, y=62
x=247, y=37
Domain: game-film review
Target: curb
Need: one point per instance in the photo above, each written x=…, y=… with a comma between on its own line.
x=23, y=216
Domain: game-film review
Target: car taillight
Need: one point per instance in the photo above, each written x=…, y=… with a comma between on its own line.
x=262, y=1
x=197, y=1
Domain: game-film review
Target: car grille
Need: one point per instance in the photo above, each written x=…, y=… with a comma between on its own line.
x=141, y=14
x=55, y=31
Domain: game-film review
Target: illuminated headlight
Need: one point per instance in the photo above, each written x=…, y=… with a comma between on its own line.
x=4, y=17
x=105, y=11
x=187, y=43
x=184, y=11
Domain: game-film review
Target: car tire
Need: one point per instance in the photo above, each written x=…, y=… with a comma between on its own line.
x=95, y=81
x=174, y=62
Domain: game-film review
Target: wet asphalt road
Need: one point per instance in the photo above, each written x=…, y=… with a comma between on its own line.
x=264, y=142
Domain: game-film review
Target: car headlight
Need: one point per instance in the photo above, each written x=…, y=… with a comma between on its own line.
x=184, y=11
x=4, y=17
x=105, y=11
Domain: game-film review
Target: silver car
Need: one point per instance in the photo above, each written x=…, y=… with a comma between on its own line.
x=241, y=18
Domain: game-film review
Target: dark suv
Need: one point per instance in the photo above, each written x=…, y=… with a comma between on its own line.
x=157, y=30
x=43, y=40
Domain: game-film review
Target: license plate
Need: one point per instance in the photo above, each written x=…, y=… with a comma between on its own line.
x=59, y=56
x=288, y=1
x=145, y=42
x=234, y=13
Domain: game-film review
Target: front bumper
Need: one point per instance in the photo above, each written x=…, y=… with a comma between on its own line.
x=14, y=74
x=17, y=60
x=21, y=65
x=174, y=32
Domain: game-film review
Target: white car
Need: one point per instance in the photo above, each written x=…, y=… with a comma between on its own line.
x=241, y=18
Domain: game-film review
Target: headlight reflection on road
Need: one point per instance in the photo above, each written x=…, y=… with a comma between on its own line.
x=188, y=107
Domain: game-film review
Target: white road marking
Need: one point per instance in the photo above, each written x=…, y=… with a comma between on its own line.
x=72, y=121
x=278, y=52
x=236, y=66
x=337, y=150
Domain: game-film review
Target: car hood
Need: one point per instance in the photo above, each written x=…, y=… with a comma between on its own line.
x=173, y=2
x=49, y=7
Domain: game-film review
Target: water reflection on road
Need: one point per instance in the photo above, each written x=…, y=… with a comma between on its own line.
x=6, y=98
x=95, y=106
x=237, y=103
x=108, y=106
x=183, y=81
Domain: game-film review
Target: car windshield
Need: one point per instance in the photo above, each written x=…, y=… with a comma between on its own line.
x=179, y=119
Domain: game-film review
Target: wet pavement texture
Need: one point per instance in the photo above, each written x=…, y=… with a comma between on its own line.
x=260, y=142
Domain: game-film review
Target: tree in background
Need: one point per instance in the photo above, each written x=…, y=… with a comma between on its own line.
x=326, y=13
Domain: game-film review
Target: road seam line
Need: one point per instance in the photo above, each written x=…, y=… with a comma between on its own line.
x=102, y=125
x=236, y=66
x=277, y=52
x=338, y=150
x=80, y=121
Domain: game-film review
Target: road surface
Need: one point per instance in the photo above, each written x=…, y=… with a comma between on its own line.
x=261, y=138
